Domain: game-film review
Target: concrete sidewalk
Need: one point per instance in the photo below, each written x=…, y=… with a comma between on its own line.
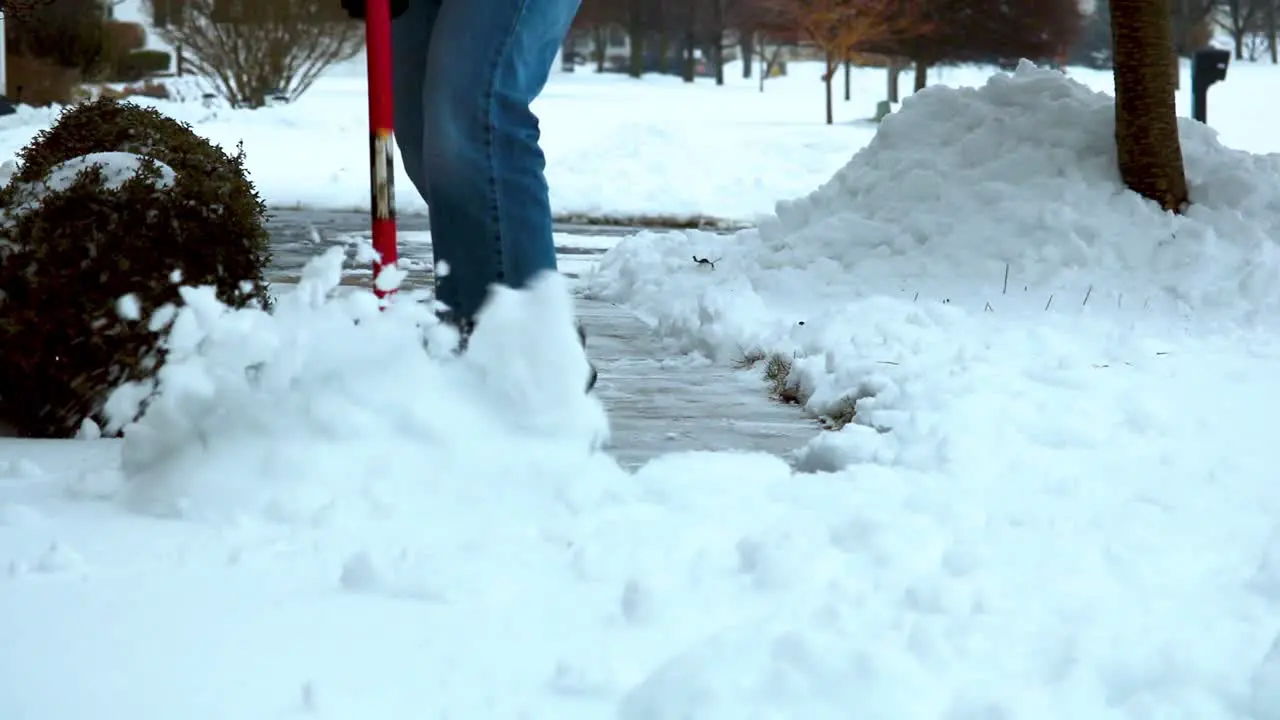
x=659, y=405
x=657, y=402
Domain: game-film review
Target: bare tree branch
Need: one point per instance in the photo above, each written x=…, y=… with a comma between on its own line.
x=252, y=48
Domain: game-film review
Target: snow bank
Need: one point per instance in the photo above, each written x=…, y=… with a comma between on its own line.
x=327, y=405
x=1023, y=172
x=970, y=206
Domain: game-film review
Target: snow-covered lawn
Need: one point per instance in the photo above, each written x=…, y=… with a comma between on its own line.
x=623, y=148
x=1059, y=499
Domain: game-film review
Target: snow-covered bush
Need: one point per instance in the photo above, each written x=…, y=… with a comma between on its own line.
x=109, y=209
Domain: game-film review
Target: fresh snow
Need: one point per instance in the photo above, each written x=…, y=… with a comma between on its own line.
x=117, y=168
x=630, y=149
x=1058, y=499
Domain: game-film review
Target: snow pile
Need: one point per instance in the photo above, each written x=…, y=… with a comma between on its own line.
x=326, y=399
x=1023, y=172
x=1019, y=173
x=970, y=207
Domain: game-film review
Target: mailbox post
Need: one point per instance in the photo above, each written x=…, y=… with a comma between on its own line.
x=1208, y=66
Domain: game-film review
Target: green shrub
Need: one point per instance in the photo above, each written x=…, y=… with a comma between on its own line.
x=109, y=202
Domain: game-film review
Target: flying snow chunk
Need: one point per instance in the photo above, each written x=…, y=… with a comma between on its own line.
x=128, y=308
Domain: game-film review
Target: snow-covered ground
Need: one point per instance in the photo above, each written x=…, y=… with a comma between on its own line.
x=1059, y=498
x=622, y=148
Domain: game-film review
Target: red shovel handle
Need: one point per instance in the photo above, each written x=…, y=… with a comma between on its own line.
x=381, y=136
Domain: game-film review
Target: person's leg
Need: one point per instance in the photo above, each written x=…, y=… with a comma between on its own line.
x=490, y=213
x=410, y=39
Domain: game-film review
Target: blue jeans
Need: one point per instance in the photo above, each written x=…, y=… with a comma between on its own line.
x=465, y=72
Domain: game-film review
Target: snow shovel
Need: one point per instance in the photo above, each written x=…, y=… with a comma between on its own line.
x=381, y=141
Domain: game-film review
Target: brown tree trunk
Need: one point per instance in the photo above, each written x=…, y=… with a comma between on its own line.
x=636, y=61
x=826, y=80
x=746, y=47
x=1147, y=142
x=690, y=62
x=1272, y=46
x=848, y=81
x=598, y=39
x=716, y=54
x=922, y=74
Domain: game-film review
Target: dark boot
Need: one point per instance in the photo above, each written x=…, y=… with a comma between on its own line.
x=591, y=379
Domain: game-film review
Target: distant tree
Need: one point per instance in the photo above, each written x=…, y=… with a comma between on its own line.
x=1147, y=144
x=1270, y=11
x=989, y=31
x=249, y=49
x=1240, y=19
x=842, y=28
x=595, y=17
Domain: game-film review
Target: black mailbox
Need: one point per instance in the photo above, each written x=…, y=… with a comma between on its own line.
x=1208, y=66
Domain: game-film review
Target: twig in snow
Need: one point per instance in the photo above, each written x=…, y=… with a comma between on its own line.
x=706, y=261
x=1046, y=305
x=988, y=308
x=749, y=359
x=1086, y=296
x=917, y=297
x=1005, y=290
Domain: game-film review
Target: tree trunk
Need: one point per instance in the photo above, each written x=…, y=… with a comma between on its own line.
x=1147, y=143
x=664, y=52
x=1270, y=20
x=716, y=56
x=827, y=77
x=598, y=40
x=848, y=81
x=894, y=71
x=922, y=74
x=690, y=62
x=1237, y=39
x=635, y=35
x=746, y=48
